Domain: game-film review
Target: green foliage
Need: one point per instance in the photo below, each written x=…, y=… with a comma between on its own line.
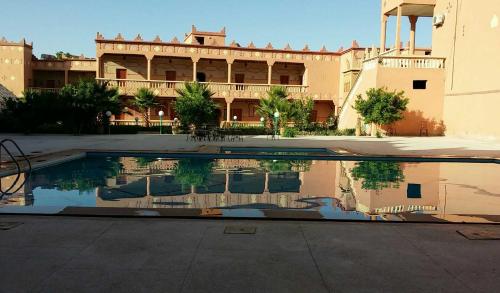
x=195, y=105
x=193, y=171
x=381, y=107
x=86, y=104
x=290, y=132
x=377, y=175
x=302, y=112
x=276, y=100
x=145, y=99
x=77, y=108
x=278, y=166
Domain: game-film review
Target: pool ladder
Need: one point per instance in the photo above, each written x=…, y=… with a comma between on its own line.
x=3, y=146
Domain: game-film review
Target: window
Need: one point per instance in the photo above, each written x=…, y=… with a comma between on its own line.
x=420, y=84
x=121, y=73
x=51, y=83
x=414, y=191
x=201, y=77
x=284, y=79
x=200, y=40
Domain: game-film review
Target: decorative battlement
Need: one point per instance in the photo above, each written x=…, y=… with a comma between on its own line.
x=22, y=42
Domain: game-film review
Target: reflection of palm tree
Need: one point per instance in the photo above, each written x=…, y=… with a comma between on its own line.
x=378, y=175
x=193, y=172
x=275, y=166
x=82, y=175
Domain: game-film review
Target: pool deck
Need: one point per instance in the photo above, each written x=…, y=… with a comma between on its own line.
x=92, y=254
x=65, y=254
x=396, y=146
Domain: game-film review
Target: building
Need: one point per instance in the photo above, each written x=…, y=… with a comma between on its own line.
x=453, y=87
x=238, y=75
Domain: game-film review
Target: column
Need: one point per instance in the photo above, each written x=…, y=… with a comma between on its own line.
x=229, y=66
x=383, y=33
x=269, y=73
x=398, y=30
x=228, y=111
x=413, y=27
x=194, y=69
x=98, y=67
x=266, y=183
x=226, y=189
x=66, y=78
x=149, y=67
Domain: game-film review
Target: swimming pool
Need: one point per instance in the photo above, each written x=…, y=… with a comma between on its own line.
x=280, y=187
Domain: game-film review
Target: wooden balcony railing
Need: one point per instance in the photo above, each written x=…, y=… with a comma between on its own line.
x=221, y=90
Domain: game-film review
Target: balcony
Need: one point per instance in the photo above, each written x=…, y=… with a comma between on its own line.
x=161, y=88
x=406, y=62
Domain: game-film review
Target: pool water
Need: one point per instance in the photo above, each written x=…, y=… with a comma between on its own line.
x=264, y=188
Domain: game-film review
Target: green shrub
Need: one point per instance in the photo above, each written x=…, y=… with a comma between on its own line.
x=290, y=132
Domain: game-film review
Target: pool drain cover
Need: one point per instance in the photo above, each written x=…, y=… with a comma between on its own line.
x=240, y=230
x=480, y=233
x=9, y=225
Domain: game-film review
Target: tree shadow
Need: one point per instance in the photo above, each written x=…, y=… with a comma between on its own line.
x=415, y=124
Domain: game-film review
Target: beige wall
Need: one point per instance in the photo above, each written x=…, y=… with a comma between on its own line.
x=15, y=66
x=135, y=65
x=471, y=45
x=182, y=66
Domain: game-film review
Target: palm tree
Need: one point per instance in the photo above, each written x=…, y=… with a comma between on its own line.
x=276, y=101
x=144, y=100
x=195, y=105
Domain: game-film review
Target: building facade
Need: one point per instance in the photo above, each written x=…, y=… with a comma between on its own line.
x=453, y=87
x=238, y=75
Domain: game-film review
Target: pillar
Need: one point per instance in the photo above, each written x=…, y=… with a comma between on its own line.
x=228, y=111
x=98, y=67
x=413, y=27
x=383, y=33
x=149, y=67
x=194, y=69
x=269, y=72
x=66, y=78
x=398, y=30
x=226, y=189
x=266, y=183
x=229, y=73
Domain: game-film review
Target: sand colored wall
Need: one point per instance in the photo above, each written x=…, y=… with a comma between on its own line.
x=255, y=72
x=319, y=181
x=182, y=66
x=136, y=66
x=425, y=109
x=323, y=77
x=15, y=66
x=41, y=78
x=295, y=72
x=470, y=41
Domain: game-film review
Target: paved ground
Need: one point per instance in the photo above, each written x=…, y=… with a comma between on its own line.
x=58, y=254
x=436, y=146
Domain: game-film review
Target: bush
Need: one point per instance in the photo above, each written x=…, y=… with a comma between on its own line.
x=290, y=132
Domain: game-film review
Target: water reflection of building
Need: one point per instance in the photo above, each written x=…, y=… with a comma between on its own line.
x=232, y=183
x=444, y=190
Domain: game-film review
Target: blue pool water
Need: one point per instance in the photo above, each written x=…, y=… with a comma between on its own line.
x=283, y=187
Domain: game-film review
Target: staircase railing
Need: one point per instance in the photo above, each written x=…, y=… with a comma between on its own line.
x=3, y=146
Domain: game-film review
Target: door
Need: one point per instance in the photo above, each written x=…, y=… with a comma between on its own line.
x=170, y=75
x=284, y=79
x=201, y=77
x=121, y=74
x=239, y=78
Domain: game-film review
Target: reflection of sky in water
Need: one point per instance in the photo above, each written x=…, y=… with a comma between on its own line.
x=53, y=197
x=328, y=211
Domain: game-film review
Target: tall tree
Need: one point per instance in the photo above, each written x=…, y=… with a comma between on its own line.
x=195, y=105
x=144, y=100
x=381, y=107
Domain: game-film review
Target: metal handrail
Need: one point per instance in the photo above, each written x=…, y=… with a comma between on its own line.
x=19, y=170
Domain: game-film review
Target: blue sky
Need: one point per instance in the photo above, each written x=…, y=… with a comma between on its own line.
x=71, y=25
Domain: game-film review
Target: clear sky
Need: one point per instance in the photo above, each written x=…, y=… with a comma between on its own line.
x=71, y=25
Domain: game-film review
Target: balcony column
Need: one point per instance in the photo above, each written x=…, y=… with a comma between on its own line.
x=229, y=70
x=98, y=67
x=195, y=63
x=269, y=71
x=398, y=30
x=66, y=76
x=383, y=33
x=413, y=27
x=149, y=59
